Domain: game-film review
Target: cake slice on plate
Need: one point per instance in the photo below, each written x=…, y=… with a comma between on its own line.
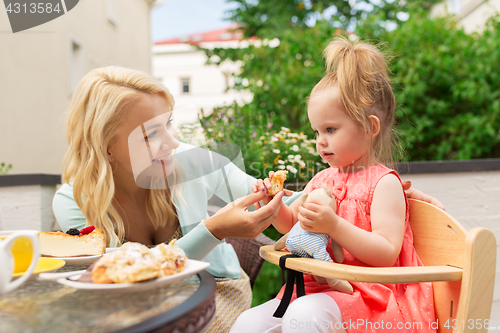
x=87, y=242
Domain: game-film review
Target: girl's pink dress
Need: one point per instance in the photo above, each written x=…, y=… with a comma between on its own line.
x=373, y=307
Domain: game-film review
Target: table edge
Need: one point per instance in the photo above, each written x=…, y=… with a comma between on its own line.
x=207, y=287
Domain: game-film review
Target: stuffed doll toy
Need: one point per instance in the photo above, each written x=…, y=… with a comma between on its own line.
x=313, y=245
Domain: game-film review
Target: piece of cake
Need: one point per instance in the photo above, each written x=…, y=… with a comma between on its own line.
x=87, y=242
x=277, y=182
x=135, y=262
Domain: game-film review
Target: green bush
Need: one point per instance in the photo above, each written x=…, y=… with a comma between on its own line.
x=238, y=126
x=447, y=86
x=446, y=82
x=280, y=77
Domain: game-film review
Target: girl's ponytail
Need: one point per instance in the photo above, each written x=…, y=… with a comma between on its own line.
x=360, y=72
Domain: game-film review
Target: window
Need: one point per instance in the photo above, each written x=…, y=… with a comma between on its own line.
x=455, y=6
x=185, y=85
x=112, y=11
x=76, y=64
x=226, y=79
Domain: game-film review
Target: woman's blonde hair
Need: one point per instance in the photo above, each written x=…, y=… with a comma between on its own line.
x=360, y=73
x=94, y=116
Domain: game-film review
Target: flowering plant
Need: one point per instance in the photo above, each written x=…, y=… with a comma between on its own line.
x=263, y=150
x=232, y=124
x=285, y=150
x=191, y=133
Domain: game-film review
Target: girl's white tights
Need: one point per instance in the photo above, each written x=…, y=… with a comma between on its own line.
x=310, y=313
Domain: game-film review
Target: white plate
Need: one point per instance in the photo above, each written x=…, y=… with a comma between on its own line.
x=191, y=267
x=85, y=260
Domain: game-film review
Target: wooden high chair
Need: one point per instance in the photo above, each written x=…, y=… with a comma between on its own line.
x=460, y=265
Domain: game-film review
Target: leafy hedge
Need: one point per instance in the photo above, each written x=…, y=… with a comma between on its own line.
x=446, y=82
x=447, y=86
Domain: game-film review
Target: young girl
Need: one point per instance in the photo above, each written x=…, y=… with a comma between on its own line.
x=351, y=110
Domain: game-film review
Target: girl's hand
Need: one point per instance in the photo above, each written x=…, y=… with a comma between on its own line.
x=261, y=185
x=317, y=217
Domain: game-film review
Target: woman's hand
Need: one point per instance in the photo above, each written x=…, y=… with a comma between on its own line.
x=419, y=195
x=319, y=217
x=234, y=220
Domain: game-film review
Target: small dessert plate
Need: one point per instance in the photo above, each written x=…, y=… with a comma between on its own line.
x=85, y=260
x=191, y=267
x=44, y=265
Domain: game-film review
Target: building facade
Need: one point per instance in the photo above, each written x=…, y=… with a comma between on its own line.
x=40, y=67
x=471, y=14
x=197, y=87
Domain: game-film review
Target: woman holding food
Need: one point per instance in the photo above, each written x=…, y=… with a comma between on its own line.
x=125, y=173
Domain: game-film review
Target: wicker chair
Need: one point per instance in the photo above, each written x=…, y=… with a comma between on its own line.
x=248, y=254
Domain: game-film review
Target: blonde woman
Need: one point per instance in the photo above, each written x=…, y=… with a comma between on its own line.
x=121, y=143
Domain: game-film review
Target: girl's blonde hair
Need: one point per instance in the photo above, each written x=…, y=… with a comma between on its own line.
x=360, y=73
x=94, y=116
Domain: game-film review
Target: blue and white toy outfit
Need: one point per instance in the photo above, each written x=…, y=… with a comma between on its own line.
x=308, y=244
